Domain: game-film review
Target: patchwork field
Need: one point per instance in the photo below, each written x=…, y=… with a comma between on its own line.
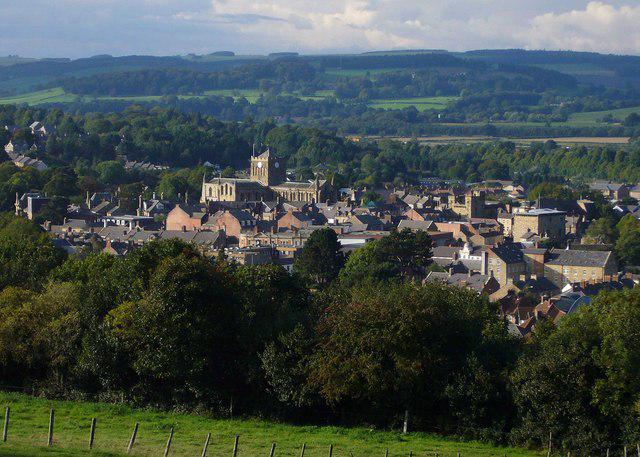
x=421, y=104
x=28, y=431
x=593, y=117
x=39, y=97
x=449, y=139
x=58, y=95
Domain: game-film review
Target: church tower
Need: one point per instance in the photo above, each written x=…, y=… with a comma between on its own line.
x=267, y=169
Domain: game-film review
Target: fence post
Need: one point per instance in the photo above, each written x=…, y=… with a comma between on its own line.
x=51, y=419
x=607, y=452
x=331, y=450
x=386, y=454
x=5, y=430
x=304, y=446
x=638, y=448
x=625, y=451
x=549, y=451
x=235, y=446
x=92, y=433
x=132, y=441
x=273, y=450
x=166, y=450
x=405, y=425
x=206, y=445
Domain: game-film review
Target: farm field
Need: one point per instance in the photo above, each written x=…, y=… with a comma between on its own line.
x=39, y=97
x=361, y=72
x=449, y=139
x=28, y=426
x=421, y=103
x=58, y=95
x=593, y=117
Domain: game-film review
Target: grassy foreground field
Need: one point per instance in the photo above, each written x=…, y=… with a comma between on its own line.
x=28, y=426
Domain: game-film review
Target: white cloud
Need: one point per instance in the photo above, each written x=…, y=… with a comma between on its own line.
x=598, y=27
x=86, y=27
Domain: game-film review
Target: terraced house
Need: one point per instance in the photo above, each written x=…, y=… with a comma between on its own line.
x=566, y=266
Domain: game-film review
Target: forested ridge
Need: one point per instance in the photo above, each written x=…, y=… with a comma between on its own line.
x=488, y=93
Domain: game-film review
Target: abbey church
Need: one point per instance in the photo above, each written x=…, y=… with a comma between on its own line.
x=267, y=181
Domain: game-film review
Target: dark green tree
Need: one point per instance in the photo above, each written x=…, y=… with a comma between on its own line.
x=320, y=259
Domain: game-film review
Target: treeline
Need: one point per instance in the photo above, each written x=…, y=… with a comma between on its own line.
x=622, y=65
x=297, y=74
x=168, y=137
x=343, y=342
x=161, y=136
x=357, y=118
x=501, y=160
x=271, y=75
x=50, y=69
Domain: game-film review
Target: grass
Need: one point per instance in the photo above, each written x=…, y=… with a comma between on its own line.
x=593, y=117
x=421, y=103
x=42, y=96
x=362, y=72
x=29, y=423
x=58, y=95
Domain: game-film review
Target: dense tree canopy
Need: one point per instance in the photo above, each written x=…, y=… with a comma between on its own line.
x=580, y=381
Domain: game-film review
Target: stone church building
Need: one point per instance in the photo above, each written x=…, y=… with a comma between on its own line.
x=267, y=181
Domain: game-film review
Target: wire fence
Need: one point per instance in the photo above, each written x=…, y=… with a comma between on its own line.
x=157, y=432
x=160, y=434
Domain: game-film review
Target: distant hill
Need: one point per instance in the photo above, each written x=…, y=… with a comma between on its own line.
x=25, y=76
x=609, y=70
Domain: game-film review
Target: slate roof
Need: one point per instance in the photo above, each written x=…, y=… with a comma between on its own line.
x=606, y=185
x=416, y=225
x=476, y=282
x=509, y=253
x=579, y=258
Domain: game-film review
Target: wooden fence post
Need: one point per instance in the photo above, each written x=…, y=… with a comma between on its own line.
x=410, y=453
x=386, y=454
x=405, y=425
x=625, y=451
x=331, y=450
x=5, y=430
x=206, y=445
x=92, y=433
x=51, y=419
x=607, y=452
x=166, y=450
x=549, y=451
x=273, y=450
x=304, y=446
x=638, y=448
x=235, y=446
x=132, y=441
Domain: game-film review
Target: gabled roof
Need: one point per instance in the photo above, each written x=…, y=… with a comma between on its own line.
x=579, y=258
x=416, y=225
x=474, y=281
x=509, y=253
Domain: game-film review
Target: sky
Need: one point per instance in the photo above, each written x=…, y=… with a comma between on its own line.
x=82, y=28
